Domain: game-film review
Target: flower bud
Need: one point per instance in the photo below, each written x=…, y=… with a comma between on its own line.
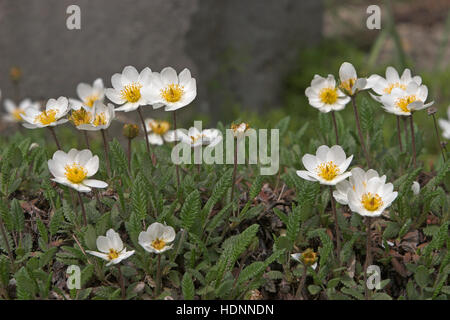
x=15, y=74
x=130, y=131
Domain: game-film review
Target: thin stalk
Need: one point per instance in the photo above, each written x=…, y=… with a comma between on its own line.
x=438, y=138
x=122, y=282
x=147, y=142
x=52, y=131
x=129, y=155
x=298, y=294
x=5, y=238
x=158, y=276
x=105, y=146
x=176, y=138
x=86, y=139
x=333, y=116
x=336, y=225
x=82, y=208
x=405, y=127
x=234, y=173
x=413, y=139
x=368, y=256
x=361, y=139
x=399, y=135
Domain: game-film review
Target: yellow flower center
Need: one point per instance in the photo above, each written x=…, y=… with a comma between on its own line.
x=159, y=127
x=347, y=85
x=371, y=202
x=100, y=119
x=91, y=100
x=242, y=127
x=113, y=254
x=327, y=170
x=75, y=173
x=79, y=117
x=17, y=114
x=131, y=92
x=309, y=257
x=46, y=117
x=195, y=138
x=328, y=95
x=158, y=244
x=403, y=103
x=172, y=93
x=390, y=87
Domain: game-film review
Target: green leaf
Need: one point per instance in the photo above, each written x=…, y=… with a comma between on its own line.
x=190, y=210
x=422, y=276
x=313, y=289
x=187, y=287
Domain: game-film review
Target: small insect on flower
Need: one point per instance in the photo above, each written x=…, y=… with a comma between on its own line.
x=445, y=125
x=328, y=166
x=195, y=137
x=171, y=90
x=53, y=114
x=88, y=94
x=325, y=96
x=240, y=129
x=74, y=169
x=159, y=132
x=128, y=87
x=15, y=113
x=97, y=118
x=157, y=238
x=358, y=174
x=350, y=84
x=371, y=198
x=307, y=257
x=111, y=248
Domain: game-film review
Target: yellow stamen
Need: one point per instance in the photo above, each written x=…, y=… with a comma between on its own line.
x=236, y=127
x=309, y=257
x=390, y=87
x=158, y=244
x=75, y=173
x=371, y=202
x=17, y=114
x=100, y=120
x=403, y=103
x=113, y=254
x=327, y=170
x=159, y=127
x=328, y=95
x=46, y=117
x=91, y=100
x=347, y=85
x=131, y=92
x=172, y=93
x=79, y=117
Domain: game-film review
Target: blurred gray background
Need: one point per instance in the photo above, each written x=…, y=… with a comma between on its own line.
x=238, y=50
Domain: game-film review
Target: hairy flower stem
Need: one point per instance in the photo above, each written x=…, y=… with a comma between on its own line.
x=298, y=293
x=122, y=283
x=176, y=139
x=158, y=276
x=105, y=146
x=86, y=139
x=399, y=134
x=147, y=143
x=333, y=116
x=336, y=225
x=368, y=256
x=358, y=126
x=234, y=173
x=82, y=208
x=413, y=139
x=438, y=138
x=5, y=239
x=129, y=155
x=52, y=131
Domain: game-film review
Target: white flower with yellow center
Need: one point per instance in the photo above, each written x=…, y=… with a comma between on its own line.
x=111, y=248
x=15, y=113
x=88, y=94
x=54, y=111
x=97, y=118
x=350, y=84
x=157, y=238
x=445, y=125
x=371, y=198
x=325, y=96
x=171, y=90
x=128, y=88
x=358, y=174
x=195, y=138
x=383, y=86
x=159, y=131
x=239, y=130
x=328, y=166
x=74, y=169
x=403, y=102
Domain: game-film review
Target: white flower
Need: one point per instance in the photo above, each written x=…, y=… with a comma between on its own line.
x=240, y=129
x=93, y=119
x=111, y=248
x=358, y=174
x=325, y=96
x=403, y=102
x=445, y=125
x=171, y=90
x=15, y=113
x=415, y=187
x=383, y=86
x=158, y=132
x=157, y=237
x=51, y=116
x=128, y=88
x=307, y=257
x=195, y=137
x=74, y=169
x=88, y=94
x=328, y=166
x=350, y=83
x=371, y=198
